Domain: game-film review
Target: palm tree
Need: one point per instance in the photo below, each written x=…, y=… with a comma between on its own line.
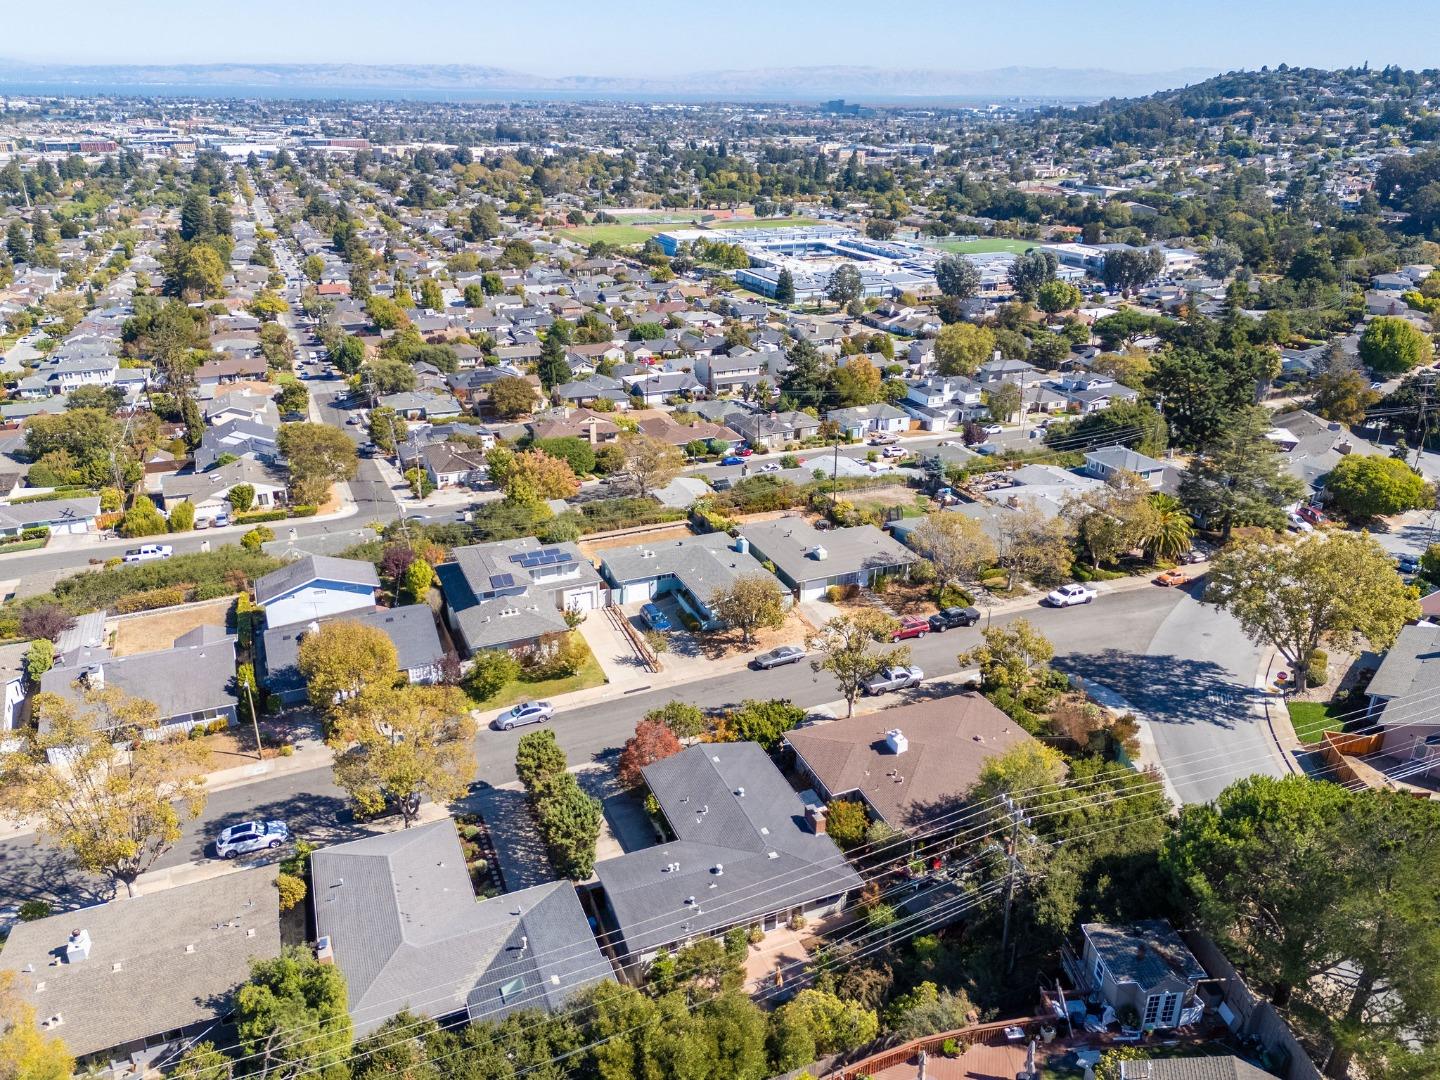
x=1172, y=529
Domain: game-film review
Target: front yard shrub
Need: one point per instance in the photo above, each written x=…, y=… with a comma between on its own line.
x=1317, y=671
x=292, y=890
x=166, y=596
x=491, y=671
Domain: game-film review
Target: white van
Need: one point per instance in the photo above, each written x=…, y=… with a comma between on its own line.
x=148, y=552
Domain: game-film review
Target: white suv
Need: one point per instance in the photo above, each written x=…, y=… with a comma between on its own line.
x=1070, y=595
x=250, y=836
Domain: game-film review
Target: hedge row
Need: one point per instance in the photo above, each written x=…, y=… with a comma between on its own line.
x=256, y=517
x=226, y=570
x=151, y=599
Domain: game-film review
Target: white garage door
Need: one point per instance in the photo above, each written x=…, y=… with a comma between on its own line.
x=580, y=600
x=637, y=592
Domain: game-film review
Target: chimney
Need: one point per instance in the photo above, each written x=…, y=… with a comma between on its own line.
x=815, y=818
x=77, y=948
x=324, y=952
x=742, y=545
x=896, y=741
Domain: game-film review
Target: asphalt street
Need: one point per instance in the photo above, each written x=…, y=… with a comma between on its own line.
x=1185, y=667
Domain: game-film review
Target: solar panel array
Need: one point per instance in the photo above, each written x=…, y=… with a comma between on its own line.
x=502, y=581
x=543, y=557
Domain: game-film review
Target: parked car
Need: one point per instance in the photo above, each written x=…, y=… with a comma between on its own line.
x=1407, y=564
x=986, y=449
x=771, y=466
x=1193, y=556
x=1298, y=523
x=951, y=617
x=992, y=429
x=148, y=553
x=894, y=452
x=527, y=712
x=892, y=678
x=744, y=451
x=880, y=438
x=1313, y=514
x=1168, y=578
x=911, y=626
x=250, y=836
x=654, y=617
x=221, y=520
x=1070, y=595
x=778, y=657
x=732, y=459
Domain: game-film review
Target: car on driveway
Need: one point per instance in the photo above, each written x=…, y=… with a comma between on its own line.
x=654, y=617
x=1070, y=595
x=892, y=678
x=911, y=626
x=778, y=657
x=1299, y=524
x=250, y=836
x=951, y=617
x=1313, y=514
x=1407, y=564
x=527, y=712
x=1171, y=577
x=732, y=459
x=744, y=451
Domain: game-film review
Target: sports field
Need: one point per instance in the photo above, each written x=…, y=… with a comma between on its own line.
x=617, y=235
x=986, y=245
x=763, y=223
x=623, y=235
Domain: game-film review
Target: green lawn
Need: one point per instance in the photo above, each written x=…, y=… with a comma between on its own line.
x=763, y=223
x=981, y=247
x=1311, y=719
x=617, y=235
x=589, y=675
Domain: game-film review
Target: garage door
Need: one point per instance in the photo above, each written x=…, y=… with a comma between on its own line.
x=580, y=600
x=637, y=593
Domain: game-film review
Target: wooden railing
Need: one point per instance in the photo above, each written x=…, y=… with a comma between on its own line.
x=634, y=637
x=964, y=1038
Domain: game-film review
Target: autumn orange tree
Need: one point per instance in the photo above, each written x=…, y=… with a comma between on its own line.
x=653, y=741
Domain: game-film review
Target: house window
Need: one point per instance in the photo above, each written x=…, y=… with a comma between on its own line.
x=510, y=990
x=1170, y=1012
x=1152, y=1010
x=1099, y=972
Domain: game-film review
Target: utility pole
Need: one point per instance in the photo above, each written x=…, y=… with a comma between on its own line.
x=1017, y=818
x=1427, y=383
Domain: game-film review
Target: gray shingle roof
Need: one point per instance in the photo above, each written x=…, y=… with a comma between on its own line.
x=408, y=933
x=411, y=629
x=1148, y=953
x=791, y=543
x=1225, y=1067
x=1411, y=666
x=182, y=680
x=702, y=564
x=314, y=568
x=159, y=985
x=739, y=856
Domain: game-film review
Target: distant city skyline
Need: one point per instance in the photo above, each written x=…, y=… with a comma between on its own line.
x=642, y=38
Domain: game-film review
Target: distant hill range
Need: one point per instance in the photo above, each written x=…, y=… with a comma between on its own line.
x=806, y=83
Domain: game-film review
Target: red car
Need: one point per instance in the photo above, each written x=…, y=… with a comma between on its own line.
x=1313, y=515
x=744, y=451
x=911, y=626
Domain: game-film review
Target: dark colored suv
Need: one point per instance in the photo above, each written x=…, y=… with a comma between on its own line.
x=952, y=617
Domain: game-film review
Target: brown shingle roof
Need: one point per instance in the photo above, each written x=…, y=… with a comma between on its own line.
x=949, y=738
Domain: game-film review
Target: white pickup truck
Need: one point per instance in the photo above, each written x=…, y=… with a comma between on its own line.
x=147, y=553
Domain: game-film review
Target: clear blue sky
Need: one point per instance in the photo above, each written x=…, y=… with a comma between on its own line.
x=650, y=37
